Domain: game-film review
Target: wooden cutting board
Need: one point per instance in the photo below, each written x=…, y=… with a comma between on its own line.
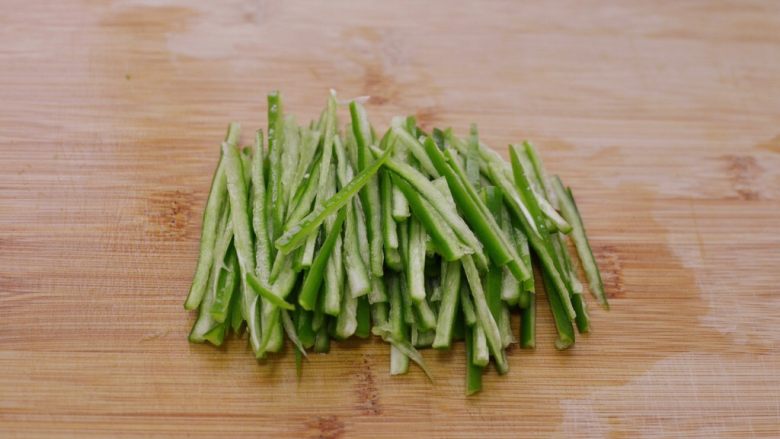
x=664, y=117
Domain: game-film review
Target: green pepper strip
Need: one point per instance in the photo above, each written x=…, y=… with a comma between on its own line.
x=242, y=240
x=448, y=308
x=562, y=323
x=580, y=238
x=307, y=297
x=259, y=214
x=528, y=324
x=369, y=195
x=473, y=372
x=275, y=145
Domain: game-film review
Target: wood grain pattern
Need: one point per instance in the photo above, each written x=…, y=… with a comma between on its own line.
x=664, y=117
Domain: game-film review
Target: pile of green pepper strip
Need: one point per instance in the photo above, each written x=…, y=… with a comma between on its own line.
x=421, y=239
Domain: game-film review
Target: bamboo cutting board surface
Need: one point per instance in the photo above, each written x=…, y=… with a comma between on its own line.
x=663, y=116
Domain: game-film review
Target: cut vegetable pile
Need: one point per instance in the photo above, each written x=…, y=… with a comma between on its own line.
x=317, y=233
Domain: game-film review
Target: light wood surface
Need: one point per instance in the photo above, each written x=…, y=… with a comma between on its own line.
x=664, y=117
